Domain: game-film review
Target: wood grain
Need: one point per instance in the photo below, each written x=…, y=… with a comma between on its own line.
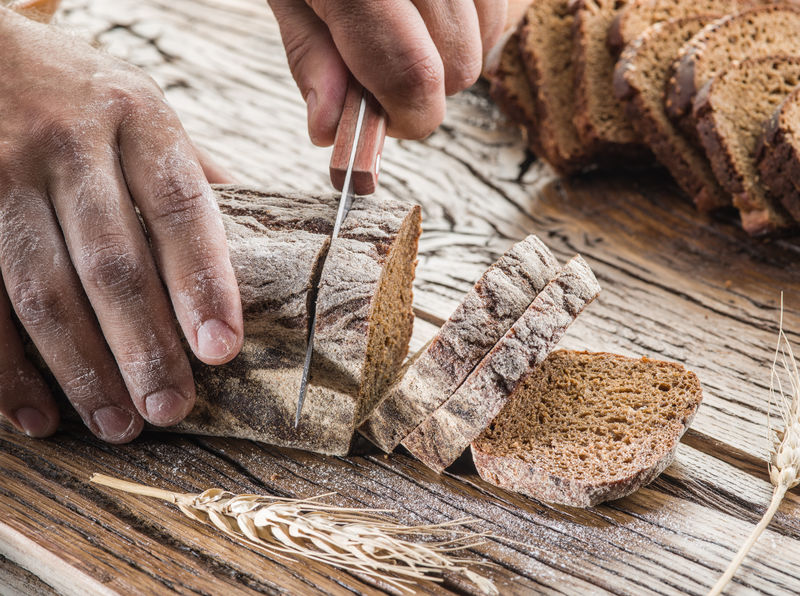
x=677, y=286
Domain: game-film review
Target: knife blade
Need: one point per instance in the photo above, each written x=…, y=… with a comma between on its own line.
x=354, y=169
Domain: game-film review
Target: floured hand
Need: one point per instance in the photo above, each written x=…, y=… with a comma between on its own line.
x=83, y=139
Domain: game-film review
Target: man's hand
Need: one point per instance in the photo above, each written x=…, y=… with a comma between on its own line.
x=84, y=138
x=408, y=53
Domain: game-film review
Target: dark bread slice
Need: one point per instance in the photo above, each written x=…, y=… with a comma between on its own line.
x=588, y=428
x=638, y=15
x=546, y=48
x=778, y=154
x=510, y=89
x=755, y=33
x=498, y=299
x=639, y=81
x=448, y=431
x=599, y=117
x=731, y=112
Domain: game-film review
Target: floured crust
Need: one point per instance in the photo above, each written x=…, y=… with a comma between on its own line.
x=499, y=297
x=448, y=431
x=277, y=243
x=588, y=428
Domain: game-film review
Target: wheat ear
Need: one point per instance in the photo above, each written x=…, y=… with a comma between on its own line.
x=352, y=539
x=784, y=464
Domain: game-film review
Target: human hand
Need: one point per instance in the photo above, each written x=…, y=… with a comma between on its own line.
x=83, y=138
x=408, y=53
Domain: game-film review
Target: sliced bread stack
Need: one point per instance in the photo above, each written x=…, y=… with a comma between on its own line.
x=586, y=428
x=778, y=155
x=639, y=73
x=731, y=112
x=640, y=78
x=505, y=327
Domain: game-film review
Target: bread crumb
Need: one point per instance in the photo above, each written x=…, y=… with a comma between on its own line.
x=274, y=477
x=728, y=284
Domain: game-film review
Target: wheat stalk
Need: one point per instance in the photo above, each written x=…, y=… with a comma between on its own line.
x=352, y=539
x=784, y=464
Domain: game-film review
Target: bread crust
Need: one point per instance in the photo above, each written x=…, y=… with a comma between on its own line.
x=759, y=217
x=683, y=159
x=277, y=243
x=447, y=432
x=498, y=298
x=778, y=158
x=691, y=74
x=536, y=479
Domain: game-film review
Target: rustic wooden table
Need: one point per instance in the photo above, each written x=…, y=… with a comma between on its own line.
x=676, y=286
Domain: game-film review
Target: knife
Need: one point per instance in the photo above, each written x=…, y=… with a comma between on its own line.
x=354, y=169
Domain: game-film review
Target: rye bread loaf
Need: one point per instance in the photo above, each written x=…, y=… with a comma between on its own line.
x=488, y=310
x=545, y=37
x=449, y=430
x=640, y=78
x=755, y=33
x=510, y=89
x=599, y=117
x=277, y=242
x=587, y=428
x=731, y=113
x=638, y=15
x=778, y=154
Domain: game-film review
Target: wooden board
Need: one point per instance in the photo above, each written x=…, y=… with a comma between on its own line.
x=676, y=286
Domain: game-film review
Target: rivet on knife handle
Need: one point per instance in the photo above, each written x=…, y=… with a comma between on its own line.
x=370, y=144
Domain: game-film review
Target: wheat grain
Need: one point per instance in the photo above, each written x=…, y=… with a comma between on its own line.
x=784, y=463
x=352, y=539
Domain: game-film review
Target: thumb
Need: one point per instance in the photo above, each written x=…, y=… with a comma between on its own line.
x=316, y=66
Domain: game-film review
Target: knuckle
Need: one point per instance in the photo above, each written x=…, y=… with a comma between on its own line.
x=180, y=201
x=109, y=263
x=83, y=386
x=463, y=73
x=39, y=306
x=420, y=73
x=64, y=139
x=297, y=46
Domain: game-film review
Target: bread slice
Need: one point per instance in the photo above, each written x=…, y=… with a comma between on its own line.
x=277, y=242
x=731, y=112
x=443, y=436
x=599, y=117
x=639, y=81
x=755, y=33
x=778, y=155
x=588, y=428
x=545, y=38
x=499, y=297
x=638, y=15
x=512, y=92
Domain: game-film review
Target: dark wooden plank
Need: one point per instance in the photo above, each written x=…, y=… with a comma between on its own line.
x=671, y=538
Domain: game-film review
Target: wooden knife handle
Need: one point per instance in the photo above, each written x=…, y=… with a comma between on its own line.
x=367, y=162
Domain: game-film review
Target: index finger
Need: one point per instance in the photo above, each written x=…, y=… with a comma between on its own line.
x=182, y=217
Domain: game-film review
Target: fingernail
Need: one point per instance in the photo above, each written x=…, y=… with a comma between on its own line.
x=215, y=340
x=113, y=422
x=32, y=421
x=166, y=407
